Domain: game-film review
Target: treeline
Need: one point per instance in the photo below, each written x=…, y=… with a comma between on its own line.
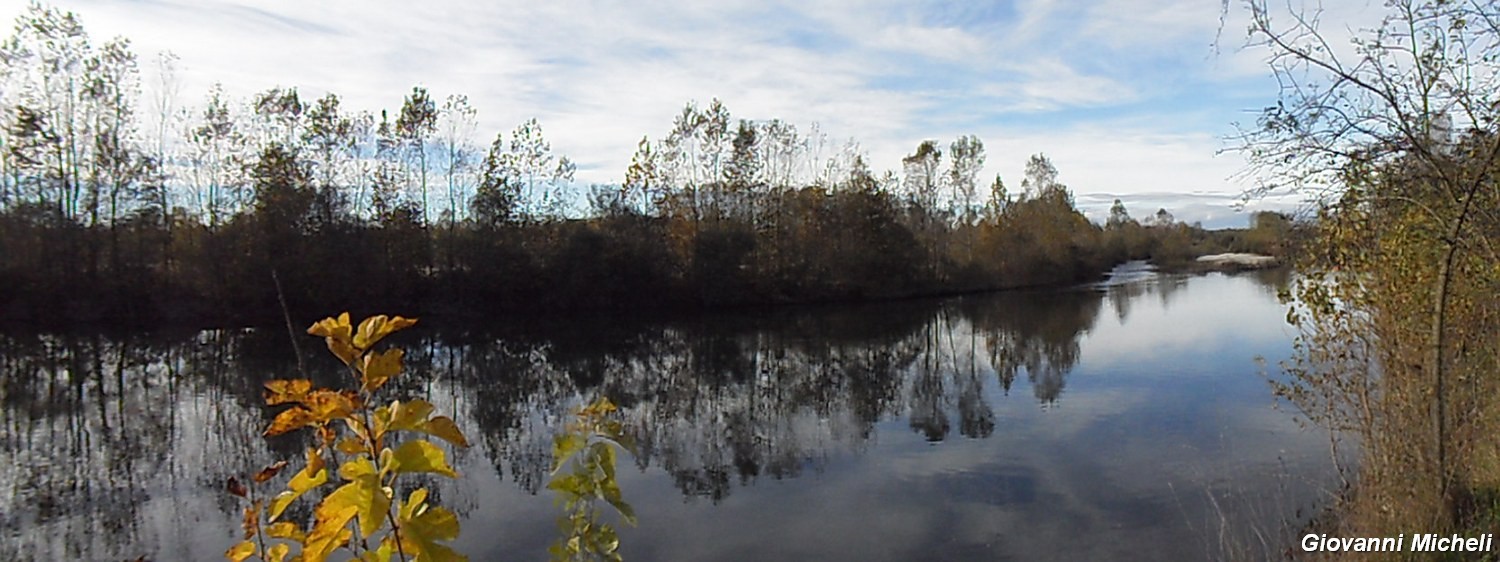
x=115, y=205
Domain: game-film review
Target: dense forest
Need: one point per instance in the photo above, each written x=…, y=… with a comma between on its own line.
x=118, y=206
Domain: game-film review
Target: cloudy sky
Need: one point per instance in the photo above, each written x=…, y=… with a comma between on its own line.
x=1130, y=98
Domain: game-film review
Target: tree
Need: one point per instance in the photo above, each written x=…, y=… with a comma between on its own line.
x=1118, y=216
x=742, y=175
x=168, y=120
x=120, y=165
x=999, y=200
x=417, y=122
x=1041, y=181
x=1162, y=217
x=458, y=120
x=643, y=182
x=50, y=135
x=278, y=114
x=920, y=178
x=497, y=198
x=714, y=139
x=1371, y=132
x=330, y=135
x=965, y=160
x=529, y=160
x=920, y=175
x=217, y=150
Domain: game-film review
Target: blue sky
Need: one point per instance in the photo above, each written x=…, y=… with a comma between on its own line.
x=1130, y=98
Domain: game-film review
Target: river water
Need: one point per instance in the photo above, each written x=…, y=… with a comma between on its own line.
x=1123, y=420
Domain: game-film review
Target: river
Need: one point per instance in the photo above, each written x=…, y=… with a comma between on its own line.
x=1124, y=420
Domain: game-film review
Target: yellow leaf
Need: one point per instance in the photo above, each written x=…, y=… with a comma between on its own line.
x=286, y=391
x=285, y=530
x=374, y=328
x=363, y=491
x=409, y=415
x=277, y=552
x=332, y=328
x=443, y=428
x=421, y=456
x=435, y=523
x=337, y=332
x=328, y=532
x=358, y=426
x=413, y=504
x=435, y=552
x=369, y=499
x=350, y=446
x=314, y=460
x=343, y=349
x=386, y=551
x=380, y=367
x=412, y=416
x=241, y=551
x=357, y=468
x=300, y=484
x=292, y=419
x=429, y=526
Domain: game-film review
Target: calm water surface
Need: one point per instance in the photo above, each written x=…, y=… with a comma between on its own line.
x=1119, y=421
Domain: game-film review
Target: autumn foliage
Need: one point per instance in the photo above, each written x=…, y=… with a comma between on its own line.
x=362, y=516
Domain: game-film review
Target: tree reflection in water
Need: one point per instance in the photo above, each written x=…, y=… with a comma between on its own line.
x=118, y=445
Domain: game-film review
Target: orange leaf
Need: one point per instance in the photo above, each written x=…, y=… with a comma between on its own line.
x=269, y=472
x=329, y=405
x=286, y=391
x=251, y=524
x=291, y=420
x=235, y=487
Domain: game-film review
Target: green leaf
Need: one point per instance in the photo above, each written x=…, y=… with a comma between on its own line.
x=564, y=447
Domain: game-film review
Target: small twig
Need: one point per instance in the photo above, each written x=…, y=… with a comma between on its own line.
x=290, y=332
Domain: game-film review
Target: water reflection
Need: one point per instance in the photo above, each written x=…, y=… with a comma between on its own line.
x=119, y=444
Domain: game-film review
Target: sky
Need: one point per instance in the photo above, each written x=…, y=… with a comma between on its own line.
x=1130, y=99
